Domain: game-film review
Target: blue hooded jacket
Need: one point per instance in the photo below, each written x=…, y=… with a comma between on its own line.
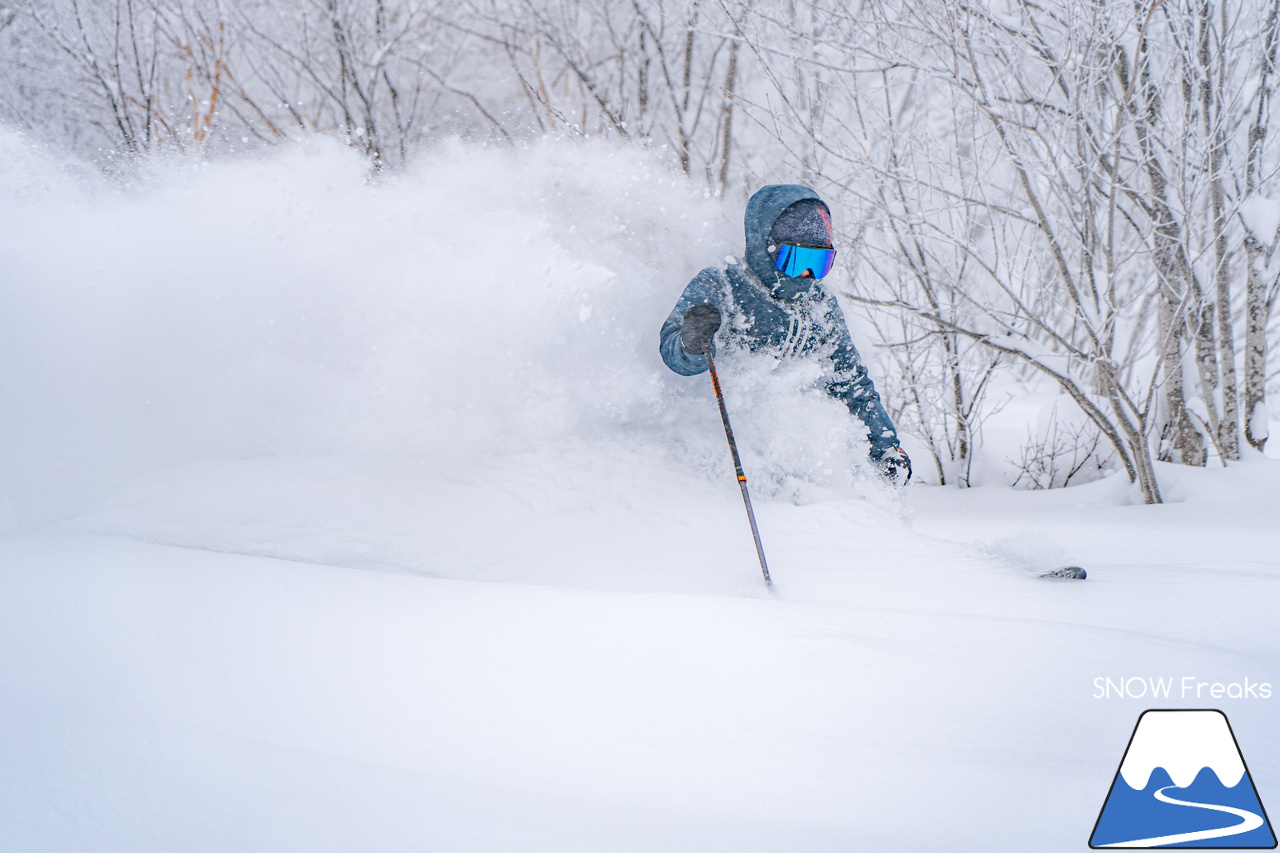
x=766, y=311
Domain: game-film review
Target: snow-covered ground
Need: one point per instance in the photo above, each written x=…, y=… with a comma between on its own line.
x=324, y=534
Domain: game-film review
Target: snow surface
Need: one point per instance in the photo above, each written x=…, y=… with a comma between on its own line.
x=345, y=515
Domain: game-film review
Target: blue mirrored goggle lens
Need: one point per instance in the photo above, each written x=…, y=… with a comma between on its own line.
x=793, y=260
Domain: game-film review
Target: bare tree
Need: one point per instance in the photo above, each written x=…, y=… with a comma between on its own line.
x=1055, y=182
x=115, y=50
x=1259, y=248
x=664, y=71
x=1075, y=192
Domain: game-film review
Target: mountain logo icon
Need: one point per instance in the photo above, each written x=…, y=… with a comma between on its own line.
x=1183, y=783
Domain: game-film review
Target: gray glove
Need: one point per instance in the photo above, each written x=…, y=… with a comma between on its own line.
x=699, y=327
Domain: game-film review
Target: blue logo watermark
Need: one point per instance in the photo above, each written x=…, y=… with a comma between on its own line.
x=1183, y=783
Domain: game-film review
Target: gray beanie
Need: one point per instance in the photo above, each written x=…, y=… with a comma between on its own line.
x=808, y=221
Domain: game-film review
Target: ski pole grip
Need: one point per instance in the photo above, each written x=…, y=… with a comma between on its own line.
x=699, y=327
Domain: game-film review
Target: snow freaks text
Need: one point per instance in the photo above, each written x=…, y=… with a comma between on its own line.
x=1185, y=687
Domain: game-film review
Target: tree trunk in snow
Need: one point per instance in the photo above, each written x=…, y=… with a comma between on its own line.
x=1258, y=297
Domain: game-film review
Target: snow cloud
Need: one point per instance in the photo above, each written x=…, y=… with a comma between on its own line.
x=492, y=300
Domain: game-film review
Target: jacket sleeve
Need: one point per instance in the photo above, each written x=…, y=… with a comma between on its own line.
x=850, y=382
x=706, y=287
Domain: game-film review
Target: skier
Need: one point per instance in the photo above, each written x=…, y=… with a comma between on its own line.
x=775, y=302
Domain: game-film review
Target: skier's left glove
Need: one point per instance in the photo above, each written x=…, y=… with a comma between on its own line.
x=895, y=465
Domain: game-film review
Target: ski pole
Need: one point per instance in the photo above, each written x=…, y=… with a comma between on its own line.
x=737, y=466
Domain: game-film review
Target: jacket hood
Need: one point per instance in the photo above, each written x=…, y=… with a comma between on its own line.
x=763, y=209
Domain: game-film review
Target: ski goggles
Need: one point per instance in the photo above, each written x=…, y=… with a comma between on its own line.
x=794, y=259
